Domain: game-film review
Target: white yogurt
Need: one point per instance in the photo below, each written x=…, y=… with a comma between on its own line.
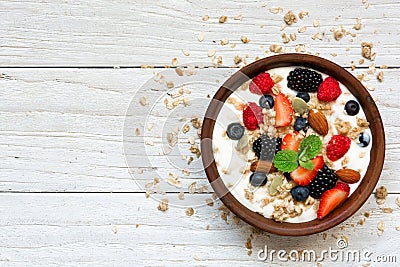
x=231, y=163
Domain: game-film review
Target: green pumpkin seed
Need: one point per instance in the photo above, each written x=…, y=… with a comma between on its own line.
x=276, y=182
x=243, y=142
x=299, y=105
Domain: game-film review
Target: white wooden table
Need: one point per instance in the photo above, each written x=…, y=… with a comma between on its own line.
x=67, y=195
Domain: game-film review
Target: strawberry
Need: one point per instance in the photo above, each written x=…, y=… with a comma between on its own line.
x=332, y=198
x=252, y=116
x=284, y=111
x=337, y=147
x=261, y=84
x=290, y=141
x=329, y=90
x=302, y=176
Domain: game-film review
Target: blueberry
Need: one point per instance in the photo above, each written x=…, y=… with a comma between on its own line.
x=235, y=131
x=300, y=124
x=364, y=139
x=258, y=179
x=352, y=108
x=303, y=95
x=266, y=101
x=300, y=193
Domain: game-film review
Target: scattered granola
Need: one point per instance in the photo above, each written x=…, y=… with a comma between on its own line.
x=211, y=53
x=209, y=202
x=174, y=62
x=366, y=50
x=285, y=38
x=302, y=29
x=189, y=211
x=276, y=10
x=200, y=37
x=290, y=18
x=173, y=180
x=358, y=24
x=223, y=19
x=137, y=132
x=244, y=39
x=381, y=227
x=276, y=48
x=379, y=76
x=318, y=36
x=380, y=195
x=192, y=188
x=224, y=213
x=224, y=41
x=387, y=210
x=163, y=205
x=303, y=14
x=143, y=101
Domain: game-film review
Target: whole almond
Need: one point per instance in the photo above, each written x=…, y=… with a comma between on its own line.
x=348, y=175
x=262, y=166
x=318, y=122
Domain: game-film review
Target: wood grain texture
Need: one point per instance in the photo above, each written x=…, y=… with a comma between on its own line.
x=100, y=229
x=70, y=137
x=61, y=130
x=131, y=33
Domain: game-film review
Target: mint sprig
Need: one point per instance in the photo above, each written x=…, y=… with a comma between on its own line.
x=289, y=160
x=309, y=165
x=286, y=160
x=309, y=147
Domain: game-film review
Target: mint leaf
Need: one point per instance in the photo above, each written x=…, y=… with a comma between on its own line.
x=309, y=165
x=309, y=147
x=286, y=160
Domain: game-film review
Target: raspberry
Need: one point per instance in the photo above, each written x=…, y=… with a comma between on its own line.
x=261, y=84
x=252, y=116
x=329, y=90
x=325, y=180
x=304, y=80
x=337, y=147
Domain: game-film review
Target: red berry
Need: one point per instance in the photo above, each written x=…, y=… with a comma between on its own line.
x=337, y=147
x=291, y=142
x=343, y=186
x=252, y=116
x=332, y=198
x=261, y=84
x=329, y=90
x=302, y=176
x=284, y=111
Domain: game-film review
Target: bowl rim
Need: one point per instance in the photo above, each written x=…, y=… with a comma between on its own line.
x=358, y=197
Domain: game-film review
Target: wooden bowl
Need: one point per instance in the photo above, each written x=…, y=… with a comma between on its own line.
x=359, y=196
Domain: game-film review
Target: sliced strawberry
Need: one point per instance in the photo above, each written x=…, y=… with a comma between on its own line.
x=291, y=142
x=302, y=176
x=284, y=111
x=332, y=198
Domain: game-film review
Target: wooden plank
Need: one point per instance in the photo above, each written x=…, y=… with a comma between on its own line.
x=70, y=137
x=117, y=33
x=127, y=229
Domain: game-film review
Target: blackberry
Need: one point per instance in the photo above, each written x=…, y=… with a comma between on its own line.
x=278, y=144
x=304, y=80
x=325, y=180
x=265, y=147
